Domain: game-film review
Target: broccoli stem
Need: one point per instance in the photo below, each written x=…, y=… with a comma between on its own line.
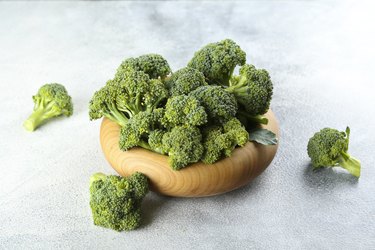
x=39, y=116
x=259, y=119
x=351, y=164
x=144, y=145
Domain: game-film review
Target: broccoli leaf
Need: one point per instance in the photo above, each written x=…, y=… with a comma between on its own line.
x=263, y=136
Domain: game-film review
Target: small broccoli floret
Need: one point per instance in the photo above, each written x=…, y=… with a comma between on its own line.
x=185, y=80
x=103, y=104
x=116, y=201
x=219, y=104
x=218, y=60
x=214, y=143
x=253, y=90
x=219, y=141
x=329, y=148
x=183, y=109
x=154, y=65
x=184, y=146
x=155, y=140
x=136, y=130
x=122, y=98
x=51, y=100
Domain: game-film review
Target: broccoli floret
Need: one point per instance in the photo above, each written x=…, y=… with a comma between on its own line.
x=116, y=201
x=122, y=98
x=51, y=100
x=136, y=130
x=219, y=141
x=185, y=80
x=219, y=104
x=218, y=60
x=103, y=104
x=329, y=148
x=154, y=65
x=253, y=90
x=135, y=92
x=183, y=109
x=184, y=146
x=155, y=140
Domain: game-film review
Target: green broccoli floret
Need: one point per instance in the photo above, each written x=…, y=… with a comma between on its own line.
x=253, y=91
x=329, y=148
x=219, y=141
x=219, y=104
x=183, y=109
x=116, y=201
x=51, y=100
x=154, y=65
x=218, y=60
x=184, y=146
x=155, y=140
x=122, y=98
x=185, y=80
x=136, y=130
x=103, y=104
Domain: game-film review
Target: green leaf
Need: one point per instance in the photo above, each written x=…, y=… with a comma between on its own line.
x=263, y=136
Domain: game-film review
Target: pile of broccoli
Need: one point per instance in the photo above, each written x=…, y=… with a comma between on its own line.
x=201, y=112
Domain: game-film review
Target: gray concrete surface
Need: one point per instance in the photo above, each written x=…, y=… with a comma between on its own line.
x=321, y=58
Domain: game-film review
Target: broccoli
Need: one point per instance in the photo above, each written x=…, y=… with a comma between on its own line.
x=329, y=148
x=124, y=97
x=103, y=104
x=185, y=80
x=183, y=109
x=155, y=140
x=219, y=141
x=136, y=130
x=219, y=104
x=217, y=61
x=154, y=65
x=253, y=91
x=51, y=100
x=116, y=201
x=184, y=146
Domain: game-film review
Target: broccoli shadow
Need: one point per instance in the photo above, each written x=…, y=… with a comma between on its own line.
x=327, y=178
x=151, y=207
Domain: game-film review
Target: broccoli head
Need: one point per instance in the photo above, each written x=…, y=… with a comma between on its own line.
x=51, y=100
x=155, y=140
x=103, y=104
x=154, y=65
x=116, y=201
x=222, y=140
x=183, y=109
x=217, y=61
x=136, y=130
x=219, y=104
x=329, y=148
x=184, y=146
x=253, y=90
x=185, y=80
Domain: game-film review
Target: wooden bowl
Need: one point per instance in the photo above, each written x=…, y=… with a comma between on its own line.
x=196, y=180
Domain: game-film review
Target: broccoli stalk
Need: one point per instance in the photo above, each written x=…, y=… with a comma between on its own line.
x=116, y=201
x=51, y=100
x=329, y=148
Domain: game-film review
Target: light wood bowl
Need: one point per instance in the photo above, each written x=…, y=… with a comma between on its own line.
x=196, y=180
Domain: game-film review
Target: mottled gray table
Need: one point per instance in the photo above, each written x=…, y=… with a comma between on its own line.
x=321, y=59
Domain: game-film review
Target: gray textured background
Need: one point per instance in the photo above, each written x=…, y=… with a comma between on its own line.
x=321, y=59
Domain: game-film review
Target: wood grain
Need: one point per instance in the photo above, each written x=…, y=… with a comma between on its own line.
x=196, y=180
